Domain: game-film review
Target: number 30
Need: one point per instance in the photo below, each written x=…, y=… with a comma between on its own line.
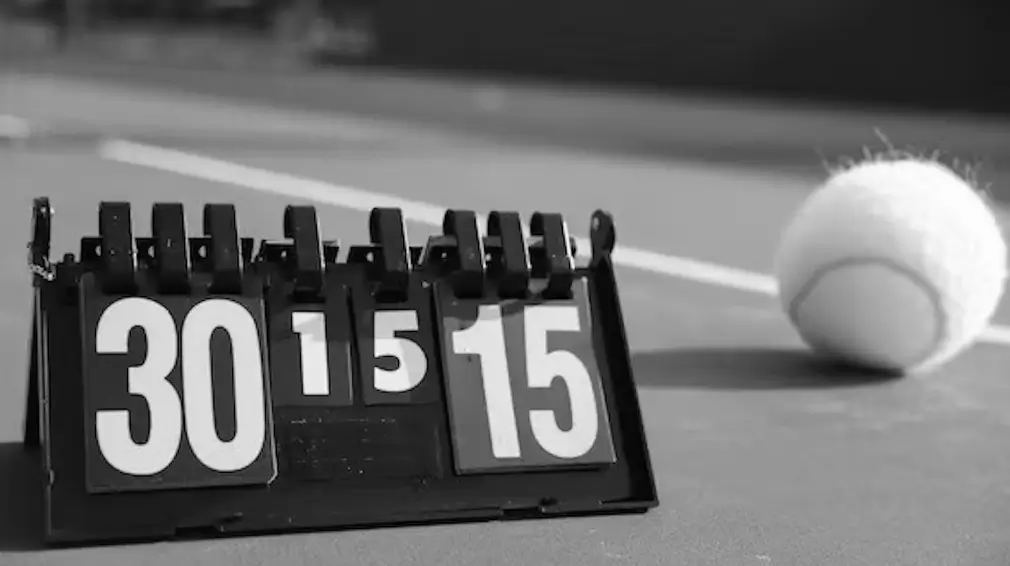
x=167, y=411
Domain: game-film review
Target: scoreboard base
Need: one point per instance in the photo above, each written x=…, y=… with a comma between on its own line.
x=321, y=519
x=229, y=394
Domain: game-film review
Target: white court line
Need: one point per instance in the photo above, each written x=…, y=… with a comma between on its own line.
x=211, y=169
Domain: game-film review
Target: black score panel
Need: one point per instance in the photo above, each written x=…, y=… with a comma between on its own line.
x=308, y=309
x=237, y=390
x=175, y=385
x=325, y=432
x=393, y=316
x=175, y=392
x=522, y=381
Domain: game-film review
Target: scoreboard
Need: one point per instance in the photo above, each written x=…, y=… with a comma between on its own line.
x=185, y=385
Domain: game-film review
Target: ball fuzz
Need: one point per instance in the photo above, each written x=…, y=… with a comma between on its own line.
x=893, y=265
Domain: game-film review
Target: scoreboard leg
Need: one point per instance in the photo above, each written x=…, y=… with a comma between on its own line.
x=32, y=429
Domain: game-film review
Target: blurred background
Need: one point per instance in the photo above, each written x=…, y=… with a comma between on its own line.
x=923, y=54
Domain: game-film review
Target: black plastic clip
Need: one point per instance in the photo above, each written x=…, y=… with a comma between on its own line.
x=468, y=259
x=301, y=226
x=118, y=256
x=171, y=247
x=508, y=260
x=551, y=254
x=224, y=256
x=602, y=235
x=389, y=258
x=40, y=245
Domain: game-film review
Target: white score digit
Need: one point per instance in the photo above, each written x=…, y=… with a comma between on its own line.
x=148, y=380
x=413, y=364
x=542, y=366
x=311, y=330
x=198, y=391
x=167, y=411
x=486, y=339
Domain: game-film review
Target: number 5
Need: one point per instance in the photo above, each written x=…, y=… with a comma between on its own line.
x=413, y=364
x=543, y=366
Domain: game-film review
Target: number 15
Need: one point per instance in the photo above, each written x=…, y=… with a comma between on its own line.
x=486, y=338
x=515, y=430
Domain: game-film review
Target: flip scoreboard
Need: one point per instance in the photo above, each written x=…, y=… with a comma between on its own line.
x=199, y=385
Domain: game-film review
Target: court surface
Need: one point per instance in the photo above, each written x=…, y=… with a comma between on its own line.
x=761, y=455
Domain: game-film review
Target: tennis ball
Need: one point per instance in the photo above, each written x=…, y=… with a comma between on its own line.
x=894, y=264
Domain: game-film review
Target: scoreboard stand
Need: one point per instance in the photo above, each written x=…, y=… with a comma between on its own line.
x=183, y=385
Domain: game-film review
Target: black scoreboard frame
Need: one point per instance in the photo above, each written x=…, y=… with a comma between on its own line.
x=415, y=434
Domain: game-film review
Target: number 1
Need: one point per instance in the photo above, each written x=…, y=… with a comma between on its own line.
x=311, y=330
x=486, y=339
